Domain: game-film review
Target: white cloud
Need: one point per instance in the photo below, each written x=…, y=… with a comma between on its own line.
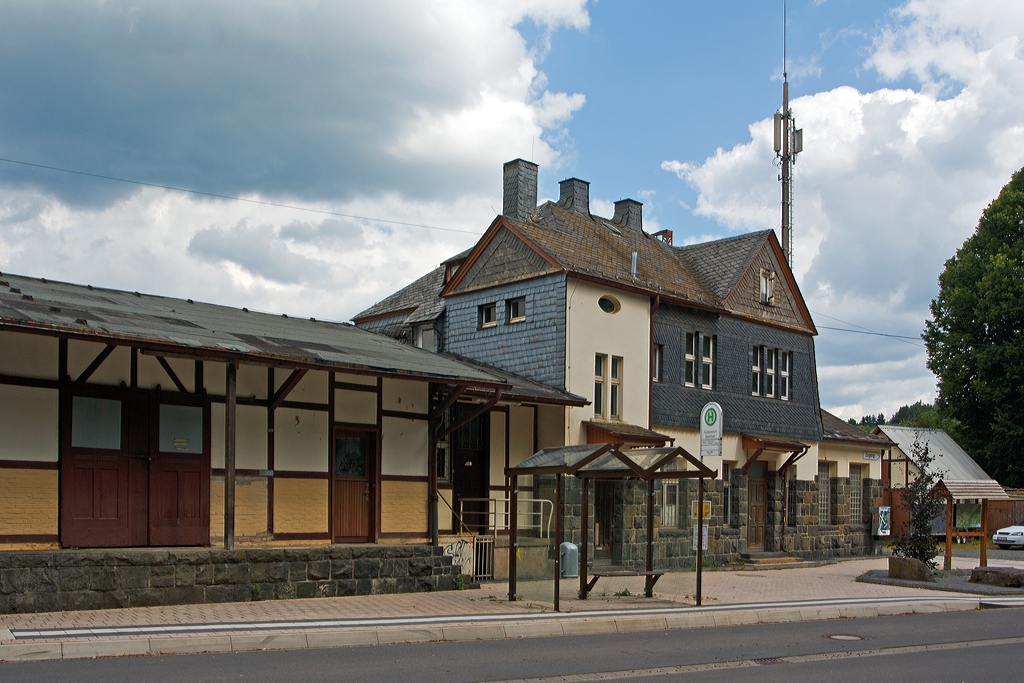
x=889, y=185
x=395, y=110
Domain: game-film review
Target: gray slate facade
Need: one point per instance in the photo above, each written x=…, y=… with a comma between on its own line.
x=676, y=405
x=533, y=348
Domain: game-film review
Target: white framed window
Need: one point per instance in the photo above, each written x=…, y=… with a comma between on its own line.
x=516, y=309
x=769, y=372
x=425, y=338
x=767, y=286
x=785, y=357
x=615, y=389
x=670, y=509
x=824, y=494
x=657, y=363
x=755, y=372
x=690, y=375
x=487, y=315
x=600, y=360
x=856, y=494
x=707, y=361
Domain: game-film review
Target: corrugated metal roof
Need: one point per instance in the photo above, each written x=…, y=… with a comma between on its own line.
x=195, y=328
x=950, y=462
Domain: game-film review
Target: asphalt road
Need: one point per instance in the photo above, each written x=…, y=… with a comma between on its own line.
x=965, y=646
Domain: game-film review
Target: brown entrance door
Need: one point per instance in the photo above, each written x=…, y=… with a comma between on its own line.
x=756, y=518
x=604, y=500
x=179, y=475
x=121, y=485
x=352, y=485
x=94, y=471
x=471, y=470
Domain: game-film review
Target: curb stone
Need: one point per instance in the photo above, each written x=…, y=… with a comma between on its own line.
x=37, y=651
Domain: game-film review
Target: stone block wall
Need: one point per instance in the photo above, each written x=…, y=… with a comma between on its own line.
x=48, y=581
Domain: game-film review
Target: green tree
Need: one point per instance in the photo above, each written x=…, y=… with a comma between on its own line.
x=922, y=507
x=975, y=339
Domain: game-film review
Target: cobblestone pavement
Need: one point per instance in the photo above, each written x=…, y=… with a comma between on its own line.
x=673, y=590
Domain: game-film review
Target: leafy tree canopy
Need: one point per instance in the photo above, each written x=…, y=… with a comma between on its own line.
x=975, y=339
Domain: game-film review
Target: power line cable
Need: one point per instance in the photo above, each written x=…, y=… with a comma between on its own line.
x=236, y=199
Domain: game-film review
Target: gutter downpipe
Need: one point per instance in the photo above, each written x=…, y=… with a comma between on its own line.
x=650, y=394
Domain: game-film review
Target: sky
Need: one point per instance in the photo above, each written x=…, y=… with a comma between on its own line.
x=347, y=127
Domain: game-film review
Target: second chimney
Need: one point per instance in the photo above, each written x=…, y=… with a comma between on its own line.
x=629, y=213
x=574, y=194
x=519, y=196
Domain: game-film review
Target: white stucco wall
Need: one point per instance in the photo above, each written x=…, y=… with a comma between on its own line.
x=250, y=437
x=520, y=445
x=590, y=331
x=28, y=423
x=497, y=468
x=312, y=388
x=301, y=440
x=404, y=446
x=356, y=407
x=28, y=355
x=405, y=396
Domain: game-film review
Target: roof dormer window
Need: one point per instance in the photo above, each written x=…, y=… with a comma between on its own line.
x=767, y=287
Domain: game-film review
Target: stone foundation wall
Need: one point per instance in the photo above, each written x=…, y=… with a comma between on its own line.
x=673, y=547
x=48, y=581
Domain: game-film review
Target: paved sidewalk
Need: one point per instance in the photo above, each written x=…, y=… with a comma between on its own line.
x=823, y=592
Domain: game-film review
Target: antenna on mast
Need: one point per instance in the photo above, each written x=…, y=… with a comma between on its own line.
x=788, y=142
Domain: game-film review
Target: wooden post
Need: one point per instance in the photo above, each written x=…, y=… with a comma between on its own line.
x=584, y=540
x=947, y=563
x=229, y=455
x=432, y=511
x=984, y=533
x=649, y=592
x=700, y=534
x=558, y=536
x=513, y=546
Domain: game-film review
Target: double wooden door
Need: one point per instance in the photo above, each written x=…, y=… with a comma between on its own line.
x=135, y=469
x=353, y=491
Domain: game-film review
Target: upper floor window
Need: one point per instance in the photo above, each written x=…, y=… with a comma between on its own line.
x=599, y=381
x=769, y=372
x=425, y=337
x=487, y=315
x=784, y=359
x=767, y=286
x=755, y=372
x=615, y=389
x=657, y=363
x=690, y=377
x=707, y=361
x=609, y=304
x=516, y=309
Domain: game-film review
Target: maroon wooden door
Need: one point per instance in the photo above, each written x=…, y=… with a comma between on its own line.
x=352, y=480
x=94, y=472
x=756, y=518
x=179, y=473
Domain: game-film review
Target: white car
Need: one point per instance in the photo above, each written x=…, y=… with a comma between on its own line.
x=1010, y=537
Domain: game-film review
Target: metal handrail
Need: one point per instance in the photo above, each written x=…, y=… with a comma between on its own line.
x=491, y=514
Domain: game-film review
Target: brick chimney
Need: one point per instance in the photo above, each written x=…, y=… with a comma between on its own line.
x=629, y=214
x=574, y=194
x=519, y=197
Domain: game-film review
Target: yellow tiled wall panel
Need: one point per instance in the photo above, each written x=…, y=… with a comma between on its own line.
x=403, y=506
x=300, y=506
x=250, y=506
x=28, y=502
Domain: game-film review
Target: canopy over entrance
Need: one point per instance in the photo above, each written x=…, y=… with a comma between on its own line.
x=606, y=461
x=968, y=491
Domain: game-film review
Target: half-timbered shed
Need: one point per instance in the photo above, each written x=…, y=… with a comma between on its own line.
x=132, y=420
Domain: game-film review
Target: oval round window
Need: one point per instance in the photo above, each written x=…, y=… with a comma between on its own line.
x=608, y=304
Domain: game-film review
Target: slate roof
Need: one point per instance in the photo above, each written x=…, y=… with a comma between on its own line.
x=720, y=263
x=421, y=296
x=210, y=330
x=951, y=461
x=837, y=429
